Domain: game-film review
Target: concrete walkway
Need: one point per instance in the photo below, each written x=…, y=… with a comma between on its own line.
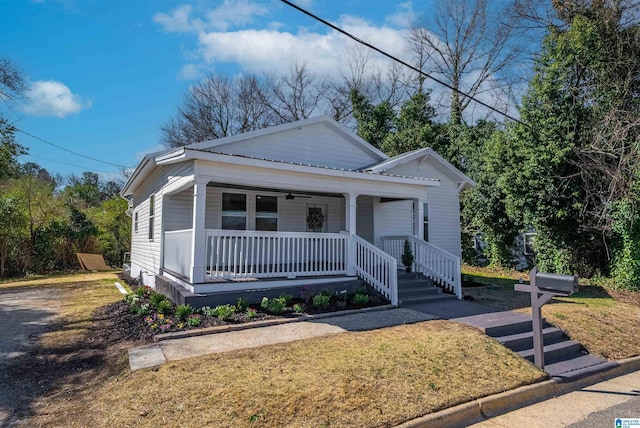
x=188, y=347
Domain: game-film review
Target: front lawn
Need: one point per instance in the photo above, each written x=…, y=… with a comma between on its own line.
x=79, y=375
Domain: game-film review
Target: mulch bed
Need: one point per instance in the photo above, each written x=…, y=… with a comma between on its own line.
x=126, y=326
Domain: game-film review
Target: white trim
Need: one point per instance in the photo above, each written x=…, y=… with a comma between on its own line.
x=417, y=154
x=290, y=167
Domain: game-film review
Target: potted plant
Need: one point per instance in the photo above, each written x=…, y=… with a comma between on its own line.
x=407, y=256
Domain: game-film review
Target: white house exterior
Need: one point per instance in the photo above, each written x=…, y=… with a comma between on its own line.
x=305, y=201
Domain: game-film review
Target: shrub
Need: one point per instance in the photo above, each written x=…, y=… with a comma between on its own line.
x=183, y=312
x=341, y=304
x=156, y=298
x=321, y=301
x=193, y=320
x=131, y=298
x=299, y=308
x=287, y=298
x=275, y=306
x=143, y=291
x=143, y=309
x=242, y=304
x=251, y=313
x=360, y=299
x=164, y=307
x=224, y=312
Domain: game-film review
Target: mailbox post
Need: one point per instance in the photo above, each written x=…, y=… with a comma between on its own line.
x=543, y=286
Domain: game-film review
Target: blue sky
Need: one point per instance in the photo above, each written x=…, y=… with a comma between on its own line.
x=105, y=75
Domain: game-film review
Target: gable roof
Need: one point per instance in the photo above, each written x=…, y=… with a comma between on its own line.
x=327, y=121
x=465, y=182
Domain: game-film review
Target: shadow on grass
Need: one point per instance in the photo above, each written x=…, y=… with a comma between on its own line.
x=30, y=369
x=499, y=293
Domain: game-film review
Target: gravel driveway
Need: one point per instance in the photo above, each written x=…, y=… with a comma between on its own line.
x=25, y=314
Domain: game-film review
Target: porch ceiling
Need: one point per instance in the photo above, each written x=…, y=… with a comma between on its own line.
x=276, y=190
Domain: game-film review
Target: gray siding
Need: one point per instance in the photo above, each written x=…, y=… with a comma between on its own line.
x=312, y=145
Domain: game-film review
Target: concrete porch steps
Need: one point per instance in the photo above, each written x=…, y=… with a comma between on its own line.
x=565, y=360
x=414, y=288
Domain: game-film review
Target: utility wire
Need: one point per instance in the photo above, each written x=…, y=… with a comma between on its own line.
x=393, y=58
x=69, y=164
x=69, y=151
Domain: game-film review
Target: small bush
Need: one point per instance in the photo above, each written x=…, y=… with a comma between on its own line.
x=275, y=306
x=251, y=313
x=321, y=301
x=131, y=298
x=164, y=307
x=156, y=299
x=183, y=312
x=299, y=308
x=224, y=312
x=193, y=320
x=143, y=291
x=341, y=304
x=242, y=304
x=361, y=299
x=287, y=298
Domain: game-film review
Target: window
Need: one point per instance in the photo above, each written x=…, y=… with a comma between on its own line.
x=426, y=222
x=234, y=211
x=135, y=222
x=266, y=213
x=151, y=216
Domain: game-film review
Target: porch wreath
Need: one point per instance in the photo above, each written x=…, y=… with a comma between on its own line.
x=315, y=219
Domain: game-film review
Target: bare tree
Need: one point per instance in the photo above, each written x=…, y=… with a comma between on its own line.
x=12, y=81
x=297, y=95
x=218, y=107
x=468, y=45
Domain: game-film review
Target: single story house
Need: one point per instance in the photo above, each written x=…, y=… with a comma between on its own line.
x=301, y=203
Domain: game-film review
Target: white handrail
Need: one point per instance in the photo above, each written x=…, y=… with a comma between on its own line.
x=375, y=267
x=442, y=266
x=257, y=254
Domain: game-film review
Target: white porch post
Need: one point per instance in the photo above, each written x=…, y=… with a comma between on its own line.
x=198, y=237
x=418, y=218
x=350, y=225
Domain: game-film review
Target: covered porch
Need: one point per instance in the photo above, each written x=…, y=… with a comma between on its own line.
x=227, y=226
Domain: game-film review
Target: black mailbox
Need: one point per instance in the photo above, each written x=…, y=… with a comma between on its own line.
x=557, y=283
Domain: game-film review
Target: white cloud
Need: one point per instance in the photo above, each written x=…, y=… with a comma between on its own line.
x=236, y=13
x=231, y=13
x=51, y=98
x=404, y=16
x=273, y=50
x=177, y=21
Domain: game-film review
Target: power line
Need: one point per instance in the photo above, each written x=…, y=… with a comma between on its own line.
x=69, y=151
x=69, y=164
x=393, y=58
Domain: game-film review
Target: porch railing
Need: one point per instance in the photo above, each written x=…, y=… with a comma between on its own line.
x=376, y=267
x=442, y=266
x=177, y=251
x=243, y=254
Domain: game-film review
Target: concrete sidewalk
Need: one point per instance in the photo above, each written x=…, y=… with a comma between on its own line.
x=571, y=408
x=175, y=349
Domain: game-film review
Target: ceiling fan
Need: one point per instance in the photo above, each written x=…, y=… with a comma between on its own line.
x=291, y=196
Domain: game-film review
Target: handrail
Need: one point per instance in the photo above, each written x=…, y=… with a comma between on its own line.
x=442, y=266
x=260, y=254
x=375, y=267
